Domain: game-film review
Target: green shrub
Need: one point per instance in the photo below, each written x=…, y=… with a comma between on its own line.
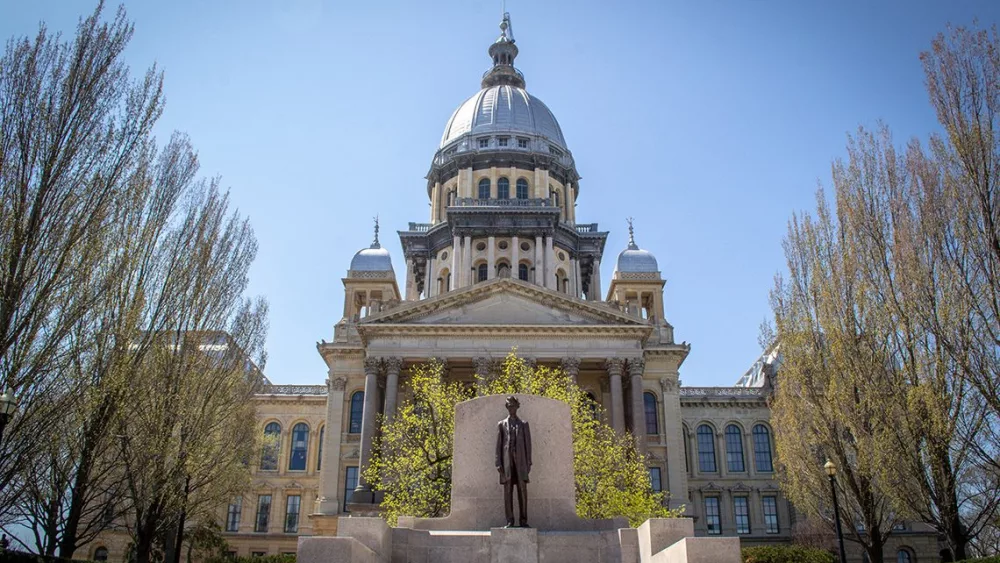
x=993, y=559
x=13, y=556
x=786, y=554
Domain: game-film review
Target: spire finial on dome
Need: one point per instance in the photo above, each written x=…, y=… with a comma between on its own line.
x=503, y=51
x=375, y=243
x=631, y=235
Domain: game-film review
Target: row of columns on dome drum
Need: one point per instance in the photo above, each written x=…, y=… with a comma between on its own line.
x=615, y=367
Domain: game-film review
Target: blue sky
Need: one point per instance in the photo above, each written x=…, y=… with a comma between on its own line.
x=709, y=122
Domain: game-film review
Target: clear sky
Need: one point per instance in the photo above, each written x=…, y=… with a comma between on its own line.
x=709, y=122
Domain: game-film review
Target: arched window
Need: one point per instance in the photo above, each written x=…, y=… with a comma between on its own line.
x=903, y=556
x=101, y=554
x=482, y=272
x=319, y=450
x=522, y=272
x=503, y=270
x=706, y=449
x=687, y=454
x=560, y=276
x=272, y=445
x=652, y=422
x=503, y=188
x=762, y=448
x=734, y=449
x=300, y=447
x=555, y=198
x=522, y=188
x=484, y=188
x=357, y=410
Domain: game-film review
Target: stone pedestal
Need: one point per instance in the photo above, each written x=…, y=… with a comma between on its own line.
x=513, y=545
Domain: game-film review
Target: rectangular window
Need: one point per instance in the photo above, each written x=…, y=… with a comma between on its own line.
x=233, y=517
x=502, y=141
x=258, y=553
x=654, y=479
x=522, y=143
x=292, y=513
x=484, y=143
x=741, y=509
x=230, y=555
x=706, y=450
x=712, y=521
x=263, y=513
x=350, y=482
x=771, y=514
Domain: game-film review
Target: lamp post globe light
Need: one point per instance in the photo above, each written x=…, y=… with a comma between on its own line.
x=831, y=470
x=7, y=407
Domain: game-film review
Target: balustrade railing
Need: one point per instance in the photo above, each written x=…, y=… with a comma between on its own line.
x=494, y=202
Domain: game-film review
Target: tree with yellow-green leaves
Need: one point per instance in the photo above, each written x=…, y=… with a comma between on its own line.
x=412, y=463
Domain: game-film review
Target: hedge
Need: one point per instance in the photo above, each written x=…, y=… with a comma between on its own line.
x=12, y=556
x=993, y=559
x=264, y=559
x=786, y=554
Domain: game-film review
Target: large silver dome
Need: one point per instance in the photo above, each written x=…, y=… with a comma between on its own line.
x=503, y=108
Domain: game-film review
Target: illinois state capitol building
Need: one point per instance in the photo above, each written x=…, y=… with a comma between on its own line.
x=504, y=262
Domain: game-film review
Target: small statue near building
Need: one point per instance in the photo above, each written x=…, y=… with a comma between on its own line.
x=513, y=461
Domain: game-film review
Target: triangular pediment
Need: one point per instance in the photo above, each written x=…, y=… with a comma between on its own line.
x=504, y=302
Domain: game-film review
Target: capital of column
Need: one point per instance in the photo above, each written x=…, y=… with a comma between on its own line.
x=393, y=364
x=615, y=366
x=636, y=366
x=337, y=383
x=571, y=365
x=372, y=365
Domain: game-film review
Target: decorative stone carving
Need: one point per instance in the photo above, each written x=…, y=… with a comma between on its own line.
x=393, y=364
x=668, y=385
x=372, y=365
x=572, y=367
x=338, y=384
x=615, y=366
x=636, y=366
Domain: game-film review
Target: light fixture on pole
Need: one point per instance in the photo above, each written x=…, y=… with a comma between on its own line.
x=831, y=470
x=7, y=407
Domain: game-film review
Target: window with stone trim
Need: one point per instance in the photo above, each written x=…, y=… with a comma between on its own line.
x=712, y=520
x=233, y=515
x=263, y=513
x=734, y=449
x=300, y=447
x=741, y=512
x=655, y=479
x=770, y=503
x=272, y=446
x=522, y=143
x=293, y=504
x=904, y=556
x=101, y=554
x=484, y=142
x=522, y=189
x=484, y=188
x=652, y=421
x=482, y=272
x=357, y=412
x=706, y=449
x=522, y=272
x=319, y=450
x=762, y=448
x=350, y=483
x=503, y=188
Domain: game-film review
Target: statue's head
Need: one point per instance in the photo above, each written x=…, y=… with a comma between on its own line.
x=512, y=405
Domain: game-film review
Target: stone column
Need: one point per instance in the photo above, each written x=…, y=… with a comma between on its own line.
x=635, y=369
x=392, y=367
x=456, y=265
x=615, y=366
x=482, y=365
x=430, y=280
x=572, y=368
x=539, y=262
x=368, y=419
x=490, y=258
x=515, y=256
x=596, y=281
x=411, y=283
x=329, y=480
x=574, y=265
x=550, y=264
x=467, y=261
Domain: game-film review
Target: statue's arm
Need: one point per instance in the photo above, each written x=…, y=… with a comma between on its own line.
x=499, y=456
x=527, y=442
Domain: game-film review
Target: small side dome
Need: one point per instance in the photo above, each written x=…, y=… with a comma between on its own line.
x=634, y=260
x=372, y=259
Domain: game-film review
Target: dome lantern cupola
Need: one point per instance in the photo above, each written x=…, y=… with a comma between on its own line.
x=503, y=51
x=634, y=260
x=372, y=259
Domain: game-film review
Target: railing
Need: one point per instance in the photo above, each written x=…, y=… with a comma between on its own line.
x=293, y=390
x=493, y=202
x=590, y=228
x=722, y=392
x=420, y=227
x=506, y=69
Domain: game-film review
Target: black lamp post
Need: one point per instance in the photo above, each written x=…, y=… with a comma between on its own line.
x=7, y=407
x=831, y=470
